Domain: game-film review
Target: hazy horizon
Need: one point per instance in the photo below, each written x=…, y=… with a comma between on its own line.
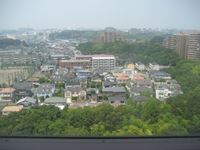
x=98, y=14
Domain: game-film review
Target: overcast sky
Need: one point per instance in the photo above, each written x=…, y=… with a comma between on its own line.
x=180, y=14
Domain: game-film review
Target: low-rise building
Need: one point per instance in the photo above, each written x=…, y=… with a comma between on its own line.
x=23, y=89
x=167, y=89
x=116, y=100
x=160, y=75
x=114, y=91
x=11, y=109
x=137, y=91
x=47, y=68
x=59, y=102
x=138, y=76
x=140, y=66
x=154, y=66
x=121, y=77
x=6, y=94
x=75, y=93
x=27, y=101
x=45, y=90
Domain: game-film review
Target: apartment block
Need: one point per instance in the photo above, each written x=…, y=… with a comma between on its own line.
x=186, y=45
x=74, y=63
x=99, y=63
x=193, y=51
x=109, y=37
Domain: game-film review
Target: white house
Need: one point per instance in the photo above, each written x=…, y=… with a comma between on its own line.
x=74, y=92
x=140, y=66
x=154, y=66
x=163, y=93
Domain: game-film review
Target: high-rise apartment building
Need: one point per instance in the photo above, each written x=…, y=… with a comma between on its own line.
x=170, y=42
x=193, y=51
x=181, y=44
x=186, y=45
x=110, y=37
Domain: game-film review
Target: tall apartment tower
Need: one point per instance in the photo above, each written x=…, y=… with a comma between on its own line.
x=170, y=42
x=193, y=51
x=185, y=45
x=109, y=37
x=181, y=45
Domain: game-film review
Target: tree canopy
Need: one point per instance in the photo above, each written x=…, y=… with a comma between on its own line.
x=142, y=52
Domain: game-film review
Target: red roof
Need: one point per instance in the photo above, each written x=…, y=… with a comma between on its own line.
x=6, y=90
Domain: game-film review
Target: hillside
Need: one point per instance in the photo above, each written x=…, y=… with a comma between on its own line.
x=143, y=52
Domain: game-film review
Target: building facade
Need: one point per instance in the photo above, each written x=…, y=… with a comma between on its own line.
x=99, y=63
x=186, y=45
x=110, y=37
x=75, y=63
x=193, y=51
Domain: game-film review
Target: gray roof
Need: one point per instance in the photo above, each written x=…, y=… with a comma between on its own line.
x=72, y=82
x=55, y=100
x=114, y=89
x=159, y=74
x=74, y=89
x=141, y=89
x=143, y=82
x=23, y=85
x=116, y=98
x=27, y=99
x=45, y=88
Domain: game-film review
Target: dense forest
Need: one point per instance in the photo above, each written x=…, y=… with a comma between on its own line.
x=177, y=116
x=143, y=52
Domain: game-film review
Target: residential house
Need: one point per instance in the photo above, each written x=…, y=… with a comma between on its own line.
x=163, y=93
x=137, y=91
x=108, y=83
x=6, y=94
x=160, y=75
x=74, y=93
x=121, y=77
x=96, y=78
x=92, y=94
x=11, y=109
x=138, y=76
x=72, y=82
x=59, y=102
x=140, y=66
x=167, y=89
x=154, y=66
x=47, y=68
x=27, y=101
x=114, y=91
x=143, y=83
x=116, y=100
x=83, y=74
x=45, y=90
x=23, y=89
x=129, y=72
